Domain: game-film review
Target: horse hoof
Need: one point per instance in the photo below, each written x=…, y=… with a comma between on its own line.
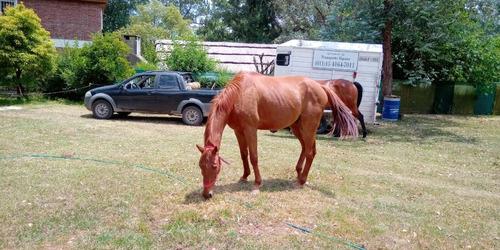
x=243, y=180
x=298, y=185
x=255, y=191
x=208, y=195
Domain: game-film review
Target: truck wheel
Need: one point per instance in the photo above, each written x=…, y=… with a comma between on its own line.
x=102, y=109
x=192, y=116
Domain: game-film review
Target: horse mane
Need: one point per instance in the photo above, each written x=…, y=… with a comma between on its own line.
x=223, y=103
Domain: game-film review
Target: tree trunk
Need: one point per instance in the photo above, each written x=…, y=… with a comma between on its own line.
x=387, y=39
x=19, y=87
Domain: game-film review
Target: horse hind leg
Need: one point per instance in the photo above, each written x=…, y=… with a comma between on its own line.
x=244, y=154
x=310, y=153
x=361, y=119
x=308, y=133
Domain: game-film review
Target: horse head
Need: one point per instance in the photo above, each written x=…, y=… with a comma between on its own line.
x=210, y=165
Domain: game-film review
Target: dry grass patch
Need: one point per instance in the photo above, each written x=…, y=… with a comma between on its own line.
x=425, y=182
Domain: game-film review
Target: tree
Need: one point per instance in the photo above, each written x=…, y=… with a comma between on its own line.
x=117, y=13
x=252, y=21
x=27, y=55
x=429, y=39
x=156, y=21
x=190, y=9
x=301, y=19
x=189, y=55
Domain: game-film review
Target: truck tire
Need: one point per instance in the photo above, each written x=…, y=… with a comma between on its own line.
x=192, y=115
x=102, y=109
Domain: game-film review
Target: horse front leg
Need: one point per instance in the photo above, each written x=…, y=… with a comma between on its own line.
x=240, y=136
x=251, y=139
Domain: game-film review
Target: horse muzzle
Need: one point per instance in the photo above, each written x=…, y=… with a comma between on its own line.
x=207, y=194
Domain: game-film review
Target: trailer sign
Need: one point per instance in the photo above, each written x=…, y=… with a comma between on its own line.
x=336, y=60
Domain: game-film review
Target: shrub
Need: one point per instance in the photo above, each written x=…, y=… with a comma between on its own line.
x=189, y=56
x=102, y=62
x=145, y=66
x=217, y=79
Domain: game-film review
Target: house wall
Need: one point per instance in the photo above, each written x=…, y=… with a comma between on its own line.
x=69, y=20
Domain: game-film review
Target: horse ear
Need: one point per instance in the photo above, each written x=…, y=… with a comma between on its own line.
x=216, y=149
x=200, y=148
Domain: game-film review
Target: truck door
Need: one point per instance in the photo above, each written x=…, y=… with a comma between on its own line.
x=137, y=94
x=168, y=94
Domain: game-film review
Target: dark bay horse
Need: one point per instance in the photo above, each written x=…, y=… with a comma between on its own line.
x=252, y=101
x=350, y=93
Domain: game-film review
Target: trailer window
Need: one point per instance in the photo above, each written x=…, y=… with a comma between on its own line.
x=283, y=59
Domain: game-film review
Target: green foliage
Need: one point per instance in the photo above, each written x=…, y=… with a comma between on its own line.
x=301, y=19
x=433, y=41
x=145, y=66
x=485, y=67
x=156, y=21
x=101, y=62
x=27, y=55
x=355, y=21
x=242, y=20
x=190, y=9
x=190, y=56
x=117, y=13
x=217, y=79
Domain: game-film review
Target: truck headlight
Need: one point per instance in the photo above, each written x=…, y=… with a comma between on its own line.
x=88, y=94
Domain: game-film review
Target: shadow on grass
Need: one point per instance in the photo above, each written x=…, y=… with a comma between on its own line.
x=269, y=185
x=418, y=129
x=424, y=129
x=143, y=119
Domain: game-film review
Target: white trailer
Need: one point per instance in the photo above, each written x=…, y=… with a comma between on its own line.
x=334, y=60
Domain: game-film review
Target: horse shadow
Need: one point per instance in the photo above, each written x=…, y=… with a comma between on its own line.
x=268, y=185
x=415, y=129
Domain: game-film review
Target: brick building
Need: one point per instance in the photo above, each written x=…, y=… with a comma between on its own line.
x=67, y=20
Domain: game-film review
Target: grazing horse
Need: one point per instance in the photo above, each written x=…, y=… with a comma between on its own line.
x=252, y=101
x=350, y=93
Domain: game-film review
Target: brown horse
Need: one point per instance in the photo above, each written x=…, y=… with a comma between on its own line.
x=252, y=101
x=350, y=93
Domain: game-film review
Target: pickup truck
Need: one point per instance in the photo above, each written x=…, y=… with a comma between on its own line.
x=160, y=92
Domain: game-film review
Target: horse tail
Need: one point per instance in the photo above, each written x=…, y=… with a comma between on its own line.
x=341, y=115
x=360, y=92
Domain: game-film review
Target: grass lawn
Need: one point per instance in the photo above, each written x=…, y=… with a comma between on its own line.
x=425, y=182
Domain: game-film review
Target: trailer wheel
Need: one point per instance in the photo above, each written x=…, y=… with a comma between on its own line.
x=323, y=126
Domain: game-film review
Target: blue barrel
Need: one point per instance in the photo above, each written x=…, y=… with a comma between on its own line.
x=391, y=108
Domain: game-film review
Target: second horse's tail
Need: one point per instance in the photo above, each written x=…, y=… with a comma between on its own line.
x=341, y=115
